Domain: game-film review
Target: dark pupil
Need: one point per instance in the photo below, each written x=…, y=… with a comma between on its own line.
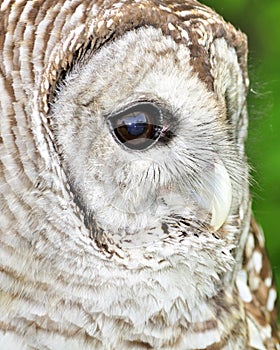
x=136, y=124
x=137, y=127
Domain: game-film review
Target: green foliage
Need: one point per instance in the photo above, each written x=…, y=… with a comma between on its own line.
x=260, y=21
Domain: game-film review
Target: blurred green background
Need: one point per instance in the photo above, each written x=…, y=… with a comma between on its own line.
x=260, y=20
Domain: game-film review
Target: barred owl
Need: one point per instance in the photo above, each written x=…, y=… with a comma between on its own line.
x=125, y=217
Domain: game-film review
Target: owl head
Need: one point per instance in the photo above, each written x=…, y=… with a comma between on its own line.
x=149, y=120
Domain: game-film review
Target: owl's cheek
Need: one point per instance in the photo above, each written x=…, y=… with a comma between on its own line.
x=139, y=208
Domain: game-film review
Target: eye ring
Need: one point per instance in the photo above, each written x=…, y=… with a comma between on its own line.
x=137, y=127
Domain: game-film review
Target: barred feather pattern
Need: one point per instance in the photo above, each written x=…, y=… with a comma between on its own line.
x=256, y=278
x=64, y=282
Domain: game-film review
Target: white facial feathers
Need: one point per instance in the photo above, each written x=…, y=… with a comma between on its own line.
x=186, y=174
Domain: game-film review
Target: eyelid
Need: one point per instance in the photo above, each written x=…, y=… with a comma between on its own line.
x=127, y=107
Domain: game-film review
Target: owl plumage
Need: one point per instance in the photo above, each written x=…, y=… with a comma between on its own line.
x=125, y=217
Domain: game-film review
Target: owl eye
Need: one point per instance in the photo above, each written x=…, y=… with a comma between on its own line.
x=137, y=127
